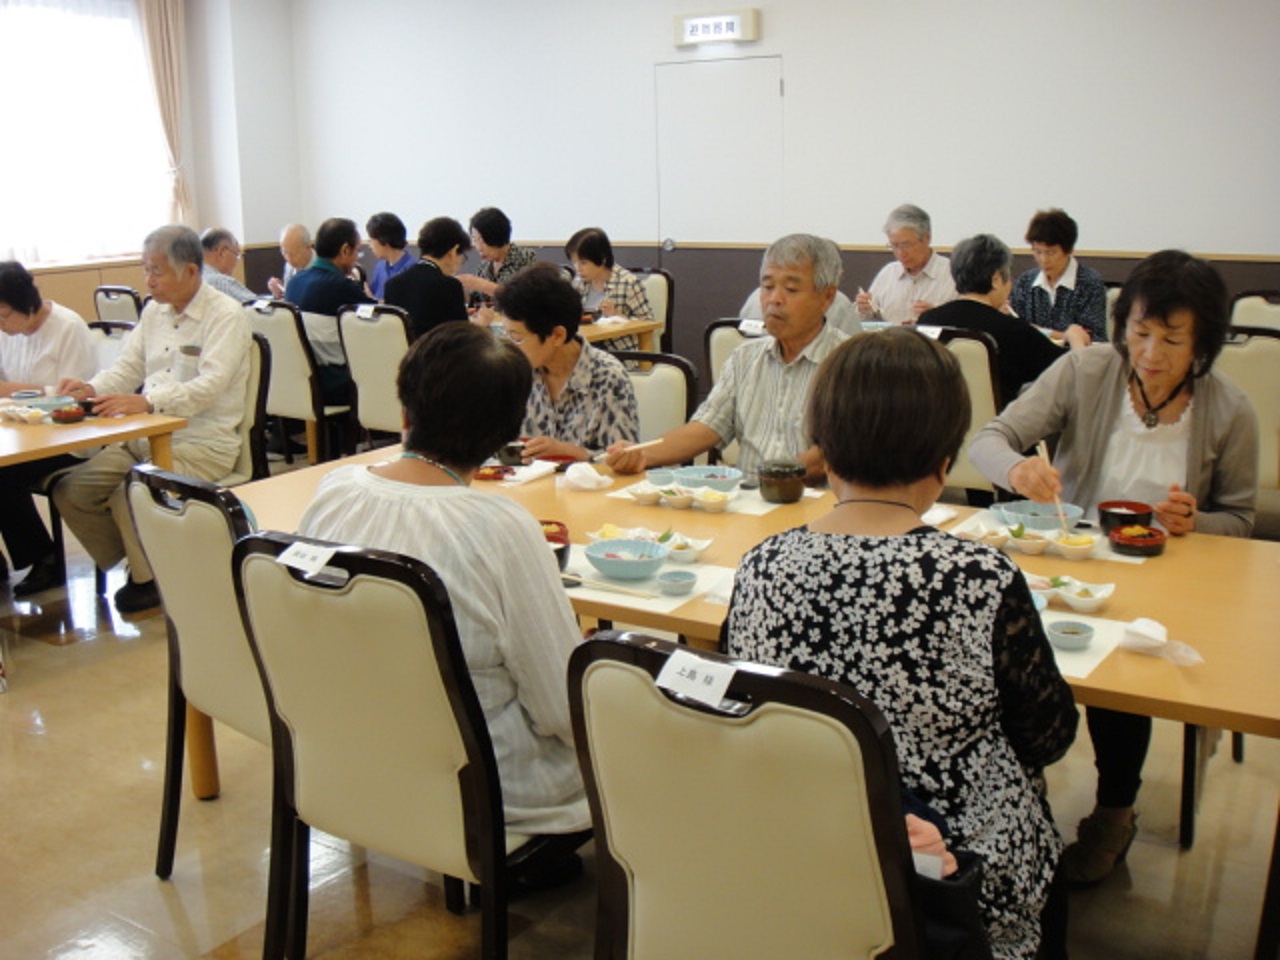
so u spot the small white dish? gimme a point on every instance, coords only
(1031, 543)
(679, 498)
(686, 549)
(1084, 597)
(712, 501)
(1074, 551)
(645, 493)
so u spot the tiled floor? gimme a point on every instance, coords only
(81, 741)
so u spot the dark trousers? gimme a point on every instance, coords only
(1120, 742)
(24, 533)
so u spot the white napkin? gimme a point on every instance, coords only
(611, 321)
(1151, 637)
(583, 476)
(530, 471)
(937, 514)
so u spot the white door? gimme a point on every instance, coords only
(720, 150)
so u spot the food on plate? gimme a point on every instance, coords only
(1138, 532)
(610, 531)
(494, 473)
(1077, 540)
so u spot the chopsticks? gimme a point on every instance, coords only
(635, 446)
(601, 585)
(1042, 448)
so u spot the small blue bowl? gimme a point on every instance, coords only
(724, 479)
(676, 583)
(627, 559)
(1036, 516)
(661, 478)
(1070, 634)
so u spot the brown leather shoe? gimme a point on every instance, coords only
(1102, 841)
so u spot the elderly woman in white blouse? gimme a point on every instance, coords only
(1143, 418)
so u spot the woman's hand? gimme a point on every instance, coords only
(75, 388)
(1035, 480)
(550, 447)
(608, 308)
(1178, 513)
(927, 838)
(1077, 337)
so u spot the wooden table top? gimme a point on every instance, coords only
(593, 332)
(1221, 595)
(21, 442)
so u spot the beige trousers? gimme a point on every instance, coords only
(92, 501)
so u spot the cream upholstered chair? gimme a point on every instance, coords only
(187, 528)
(1251, 360)
(720, 339)
(666, 386)
(251, 464)
(375, 338)
(294, 388)
(378, 735)
(108, 338)
(977, 355)
(769, 827)
(117, 303)
(659, 289)
(1256, 308)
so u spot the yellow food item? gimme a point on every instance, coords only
(610, 532)
(1135, 531)
(1077, 540)
(1084, 593)
(713, 495)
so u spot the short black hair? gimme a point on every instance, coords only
(1053, 228)
(590, 244)
(1167, 282)
(975, 260)
(387, 229)
(334, 234)
(464, 393)
(889, 408)
(493, 226)
(541, 297)
(440, 235)
(18, 288)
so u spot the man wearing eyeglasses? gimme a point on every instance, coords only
(916, 280)
(221, 254)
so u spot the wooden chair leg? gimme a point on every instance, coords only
(1237, 747)
(171, 804)
(315, 453)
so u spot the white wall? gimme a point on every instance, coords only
(1153, 123)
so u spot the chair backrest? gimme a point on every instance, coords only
(720, 338)
(1251, 360)
(117, 303)
(375, 338)
(1256, 308)
(187, 528)
(660, 289)
(376, 726)
(977, 354)
(666, 388)
(293, 389)
(1113, 294)
(322, 335)
(783, 802)
(108, 338)
(251, 463)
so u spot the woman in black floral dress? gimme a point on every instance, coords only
(940, 632)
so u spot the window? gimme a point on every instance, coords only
(84, 169)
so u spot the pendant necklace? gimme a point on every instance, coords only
(889, 503)
(1151, 419)
(410, 455)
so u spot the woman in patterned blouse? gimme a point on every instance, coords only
(606, 288)
(940, 632)
(582, 400)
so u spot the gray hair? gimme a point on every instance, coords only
(299, 228)
(910, 217)
(215, 237)
(975, 260)
(802, 248)
(178, 244)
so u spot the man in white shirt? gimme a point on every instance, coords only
(187, 357)
(221, 253)
(916, 280)
(760, 397)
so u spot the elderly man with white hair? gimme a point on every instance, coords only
(916, 280)
(760, 397)
(296, 248)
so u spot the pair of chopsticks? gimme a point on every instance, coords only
(1043, 449)
(635, 446)
(601, 585)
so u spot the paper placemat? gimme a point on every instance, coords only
(986, 520)
(1078, 664)
(744, 501)
(709, 577)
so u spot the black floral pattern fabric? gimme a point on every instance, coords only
(941, 633)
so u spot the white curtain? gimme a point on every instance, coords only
(84, 170)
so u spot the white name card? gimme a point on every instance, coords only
(307, 557)
(691, 676)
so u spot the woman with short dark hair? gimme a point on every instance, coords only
(1144, 418)
(582, 399)
(388, 240)
(43, 343)
(1062, 291)
(463, 392)
(941, 633)
(500, 259)
(607, 289)
(429, 290)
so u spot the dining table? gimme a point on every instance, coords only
(1217, 595)
(605, 329)
(24, 442)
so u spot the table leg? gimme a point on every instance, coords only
(1269, 926)
(162, 450)
(645, 340)
(202, 755)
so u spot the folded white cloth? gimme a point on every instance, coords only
(1151, 637)
(583, 476)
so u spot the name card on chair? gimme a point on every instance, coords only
(691, 676)
(310, 558)
(365, 311)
